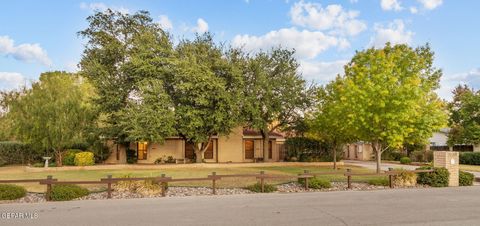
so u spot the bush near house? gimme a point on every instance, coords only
(392, 155)
(84, 159)
(11, 192)
(405, 160)
(69, 157)
(470, 158)
(305, 149)
(267, 188)
(465, 178)
(437, 178)
(65, 192)
(13, 152)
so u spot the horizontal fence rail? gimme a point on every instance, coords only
(214, 177)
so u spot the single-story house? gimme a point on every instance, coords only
(242, 145)
(358, 151)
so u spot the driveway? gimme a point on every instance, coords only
(436, 206)
(373, 165)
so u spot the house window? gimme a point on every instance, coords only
(118, 153)
(142, 150)
(249, 150)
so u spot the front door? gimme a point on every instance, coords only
(142, 150)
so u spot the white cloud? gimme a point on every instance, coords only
(308, 44)
(449, 82)
(413, 10)
(11, 80)
(391, 5)
(430, 4)
(165, 22)
(100, 6)
(322, 72)
(202, 26)
(332, 18)
(394, 33)
(24, 52)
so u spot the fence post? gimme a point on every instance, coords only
(214, 174)
(49, 188)
(109, 187)
(164, 186)
(306, 179)
(390, 178)
(262, 182)
(349, 179)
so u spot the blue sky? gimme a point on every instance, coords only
(38, 36)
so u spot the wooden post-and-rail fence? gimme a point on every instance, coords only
(163, 180)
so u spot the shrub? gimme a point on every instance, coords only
(405, 179)
(470, 158)
(2, 162)
(437, 178)
(268, 188)
(100, 151)
(465, 178)
(305, 149)
(84, 159)
(13, 152)
(38, 164)
(129, 186)
(392, 155)
(429, 156)
(381, 181)
(65, 192)
(11, 192)
(69, 157)
(148, 187)
(418, 156)
(405, 160)
(316, 183)
(131, 156)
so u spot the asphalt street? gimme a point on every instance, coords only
(435, 206)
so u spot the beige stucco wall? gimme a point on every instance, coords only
(359, 151)
(230, 148)
(171, 147)
(112, 159)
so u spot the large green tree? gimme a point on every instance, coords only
(206, 91)
(327, 121)
(276, 95)
(464, 118)
(54, 114)
(122, 50)
(388, 96)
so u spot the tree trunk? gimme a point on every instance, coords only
(58, 158)
(266, 139)
(377, 149)
(199, 149)
(335, 157)
(199, 156)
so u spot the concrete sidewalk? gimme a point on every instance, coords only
(435, 206)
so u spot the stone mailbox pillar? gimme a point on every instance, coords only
(450, 161)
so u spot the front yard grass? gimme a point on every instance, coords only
(18, 172)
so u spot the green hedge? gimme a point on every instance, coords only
(84, 159)
(405, 160)
(465, 178)
(267, 188)
(470, 158)
(12, 152)
(11, 192)
(69, 157)
(305, 149)
(67, 192)
(316, 183)
(437, 178)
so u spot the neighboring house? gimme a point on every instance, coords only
(242, 145)
(358, 151)
(438, 142)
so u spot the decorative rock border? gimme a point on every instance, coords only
(173, 191)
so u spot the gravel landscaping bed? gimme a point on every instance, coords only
(198, 191)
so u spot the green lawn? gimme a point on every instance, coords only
(17, 172)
